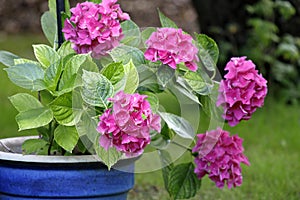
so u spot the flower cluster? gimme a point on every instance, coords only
(95, 27)
(242, 91)
(171, 46)
(127, 125)
(219, 156)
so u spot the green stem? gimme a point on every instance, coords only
(51, 135)
(184, 147)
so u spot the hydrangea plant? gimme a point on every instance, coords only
(106, 89)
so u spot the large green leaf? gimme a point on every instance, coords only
(49, 27)
(96, 89)
(165, 74)
(52, 75)
(165, 21)
(34, 118)
(132, 34)
(167, 166)
(64, 111)
(209, 104)
(125, 53)
(178, 124)
(115, 72)
(35, 146)
(183, 182)
(183, 91)
(7, 58)
(146, 33)
(68, 78)
(87, 128)
(24, 61)
(132, 78)
(197, 83)
(28, 76)
(23, 102)
(109, 157)
(66, 137)
(208, 51)
(65, 49)
(45, 55)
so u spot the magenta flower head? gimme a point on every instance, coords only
(219, 155)
(242, 91)
(128, 124)
(95, 27)
(171, 46)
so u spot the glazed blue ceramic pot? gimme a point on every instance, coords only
(60, 177)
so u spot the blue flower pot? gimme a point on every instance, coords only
(60, 177)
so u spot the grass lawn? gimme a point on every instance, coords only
(271, 141)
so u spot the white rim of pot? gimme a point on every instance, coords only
(10, 156)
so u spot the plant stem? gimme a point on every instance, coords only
(51, 135)
(184, 147)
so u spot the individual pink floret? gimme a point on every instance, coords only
(127, 125)
(219, 155)
(171, 46)
(242, 91)
(95, 27)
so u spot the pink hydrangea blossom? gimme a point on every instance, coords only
(171, 46)
(95, 27)
(219, 155)
(127, 124)
(242, 91)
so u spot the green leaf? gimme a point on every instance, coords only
(52, 7)
(65, 49)
(24, 61)
(209, 104)
(35, 146)
(109, 157)
(68, 79)
(132, 78)
(96, 89)
(7, 58)
(87, 129)
(28, 76)
(147, 33)
(167, 133)
(34, 118)
(45, 55)
(197, 83)
(165, 21)
(125, 53)
(132, 34)
(48, 23)
(152, 99)
(183, 182)
(178, 124)
(165, 74)
(64, 111)
(95, 1)
(183, 91)
(52, 75)
(115, 73)
(23, 102)
(167, 166)
(208, 51)
(66, 137)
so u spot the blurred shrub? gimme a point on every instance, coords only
(275, 52)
